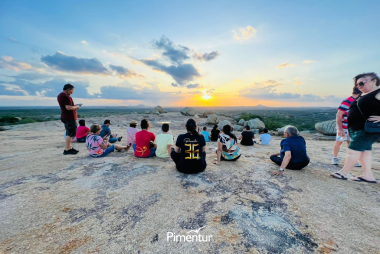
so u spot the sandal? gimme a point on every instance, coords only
(216, 163)
(339, 176)
(361, 179)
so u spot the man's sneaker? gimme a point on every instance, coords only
(70, 152)
(120, 138)
(75, 150)
(358, 165)
(335, 161)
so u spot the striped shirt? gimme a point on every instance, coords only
(344, 107)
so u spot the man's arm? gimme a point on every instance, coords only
(284, 164)
(339, 122)
(69, 107)
(169, 150)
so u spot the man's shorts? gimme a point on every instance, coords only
(71, 127)
(345, 138)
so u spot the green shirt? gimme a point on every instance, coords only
(162, 141)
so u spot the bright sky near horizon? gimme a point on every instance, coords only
(193, 53)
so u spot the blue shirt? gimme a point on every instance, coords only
(297, 146)
(206, 135)
(265, 139)
(105, 130)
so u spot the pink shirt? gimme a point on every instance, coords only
(93, 145)
(82, 131)
(131, 135)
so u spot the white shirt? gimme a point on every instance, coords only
(265, 139)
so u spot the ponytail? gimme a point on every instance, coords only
(190, 125)
(227, 131)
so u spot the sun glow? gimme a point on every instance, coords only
(206, 96)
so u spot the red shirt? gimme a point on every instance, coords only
(82, 131)
(63, 100)
(143, 139)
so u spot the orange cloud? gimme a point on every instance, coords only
(284, 65)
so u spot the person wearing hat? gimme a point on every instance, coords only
(106, 132)
(131, 133)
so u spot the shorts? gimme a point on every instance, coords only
(362, 141)
(71, 127)
(345, 138)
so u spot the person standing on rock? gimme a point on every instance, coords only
(293, 152)
(68, 116)
(342, 125)
(215, 133)
(364, 128)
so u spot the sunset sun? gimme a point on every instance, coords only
(206, 97)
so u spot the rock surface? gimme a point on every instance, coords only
(188, 111)
(212, 119)
(241, 122)
(158, 109)
(207, 113)
(255, 124)
(280, 131)
(326, 127)
(237, 127)
(224, 122)
(50, 203)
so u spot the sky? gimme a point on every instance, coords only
(193, 53)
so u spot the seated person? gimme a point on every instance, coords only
(293, 152)
(265, 138)
(144, 146)
(106, 131)
(82, 131)
(228, 149)
(98, 146)
(131, 133)
(164, 142)
(189, 154)
(247, 137)
(206, 134)
(215, 133)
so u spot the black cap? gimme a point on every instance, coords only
(107, 121)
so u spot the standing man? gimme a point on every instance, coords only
(342, 125)
(68, 116)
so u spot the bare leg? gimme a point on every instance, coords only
(337, 148)
(68, 143)
(352, 158)
(119, 147)
(366, 161)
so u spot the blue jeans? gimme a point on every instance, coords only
(113, 140)
(109, 150)
(152, 151)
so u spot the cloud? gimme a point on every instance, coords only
(12, 39)
(174, 84)
(192, 86)
(7, 62)
(32, 76)
(84, 42)
(244, 33)
(308, 61)
(206, 56)
(266, 85)
(62, 62)
(284, 65)
(124, 73)
(298, 82)
(176, 53)
(5, 90)
(181, 73)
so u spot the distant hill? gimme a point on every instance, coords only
(260, 106)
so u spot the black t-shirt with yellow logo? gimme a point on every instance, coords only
(192, 160)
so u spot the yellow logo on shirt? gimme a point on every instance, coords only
(193, 154)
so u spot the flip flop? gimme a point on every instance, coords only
(341, 177)
(361, 179)
(216, 163)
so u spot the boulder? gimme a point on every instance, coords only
(280, 131)
(147, 112)
(196, 116)
(238, 127)
(207, 113)
(188, 111)
(327, 127)
(156, 112)
(256, 131)
(224, 122)
(158, 109)
(255, 124)
(241, 122)
(212, 119)
(5, 128)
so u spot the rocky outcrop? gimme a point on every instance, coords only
(241, 122)
(326, 127)
(224, 122)
(188, 111)
(238, 127)
(255, 124)
(212, 119)
(158, 109)
(207, 113)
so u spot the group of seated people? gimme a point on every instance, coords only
(189, 151)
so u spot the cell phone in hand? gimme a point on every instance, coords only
(80, 104)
